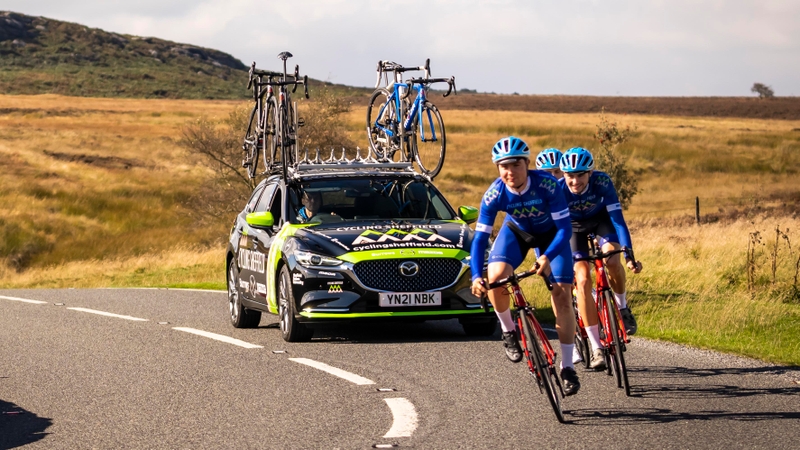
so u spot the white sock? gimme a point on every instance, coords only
(594, 336)
(621, 301)
(566, 349)
(506, 321)
(576, 355)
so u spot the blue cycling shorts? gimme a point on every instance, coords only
(512, 250)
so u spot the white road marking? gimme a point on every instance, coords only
(218, 337)
(25, 300)
(405, 418)
(349, 376)
(108, 314)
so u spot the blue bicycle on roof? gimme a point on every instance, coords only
(402, 130)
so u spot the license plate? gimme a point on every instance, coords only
(395, 299)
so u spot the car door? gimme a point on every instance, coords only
(253, 257)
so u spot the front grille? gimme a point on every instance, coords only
(384, 275)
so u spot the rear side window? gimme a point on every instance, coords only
(251, 204)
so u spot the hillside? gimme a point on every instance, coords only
(40, 55)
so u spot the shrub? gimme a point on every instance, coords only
(762, 90)
(607, 159)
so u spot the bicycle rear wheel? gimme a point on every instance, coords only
(251, 144)
(545, 374)
(429, 140)
(269, 147)
(618, 347)
(382, 125)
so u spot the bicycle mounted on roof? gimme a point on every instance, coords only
(273, 123)
(406, 130)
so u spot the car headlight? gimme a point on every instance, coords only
(312, 259)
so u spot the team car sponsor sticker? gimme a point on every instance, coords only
(244, 285)
(261, 288)
(396, 235)
(250, 260)
(335, 288)
(394, 299)
(297, 278)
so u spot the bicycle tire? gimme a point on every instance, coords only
(543, 374)
(282, 136)
(290, 128)
(380, 142)
(582, 344)
(617, 353)
(250, 145)
(268, 150)
(430, 141)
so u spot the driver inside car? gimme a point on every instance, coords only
(312, 202)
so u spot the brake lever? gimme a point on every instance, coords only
(544, 277)
(305, 85)
(484, 303)
(451, 85)
(250, 81)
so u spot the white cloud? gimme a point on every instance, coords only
(677, 47)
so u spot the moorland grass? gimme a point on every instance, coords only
(70, 218)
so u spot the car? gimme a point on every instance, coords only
(384, 244)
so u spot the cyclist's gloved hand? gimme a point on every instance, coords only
(634, 266)
(478, 287)
(543, 266)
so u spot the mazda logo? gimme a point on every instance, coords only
(409, 269)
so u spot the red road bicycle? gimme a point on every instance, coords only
(536, 348)
(613, 336)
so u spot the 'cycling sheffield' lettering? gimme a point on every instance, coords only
(250, 260)
(395, 235)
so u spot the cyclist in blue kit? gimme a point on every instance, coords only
(594, 208)
(549, 160)
(536, 217)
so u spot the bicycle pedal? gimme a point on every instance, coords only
(301, 122)
(246, 163)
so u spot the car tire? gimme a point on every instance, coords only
(241, 317)
(480, 328)
(291, 329)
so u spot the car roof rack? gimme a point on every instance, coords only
(359, 164)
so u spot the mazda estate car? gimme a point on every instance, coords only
(351, 242)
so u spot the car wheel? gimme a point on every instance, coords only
(480, 328)
(241, 317)
(291, 329)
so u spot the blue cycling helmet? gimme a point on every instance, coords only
(510, 147)
(548, 159)
(577, 159)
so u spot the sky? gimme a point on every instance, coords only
(573, 47)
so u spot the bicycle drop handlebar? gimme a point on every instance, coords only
(603, 255)
(290, 79)
(451, 83)
(513, 279)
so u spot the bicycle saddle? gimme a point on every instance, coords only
(284, 55)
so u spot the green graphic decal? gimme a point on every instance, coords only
(368, 255)
(324, 315)
(274, 256)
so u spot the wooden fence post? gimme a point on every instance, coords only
(697, 209)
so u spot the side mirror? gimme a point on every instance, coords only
(262, 219)
(468, 213)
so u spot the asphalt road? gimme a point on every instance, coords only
(71, 377)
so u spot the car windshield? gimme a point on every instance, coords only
(363, 199)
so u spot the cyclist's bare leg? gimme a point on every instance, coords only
(615, 269)
(583, 288)
(499, 297)
(565, 315)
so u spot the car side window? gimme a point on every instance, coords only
(251, 204)
(264, 202)
(277, 206)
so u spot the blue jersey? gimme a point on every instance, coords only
(599, 195)
(536, 209)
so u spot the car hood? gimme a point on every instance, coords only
(370, 236)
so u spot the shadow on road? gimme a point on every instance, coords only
(19, 427)
(664, 383)
(649, 382)
(397, 332)
(638, 416)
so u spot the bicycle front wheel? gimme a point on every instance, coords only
(382, 125)
(251, 143)
(544, 372)
(430, 140)
(618, 347)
